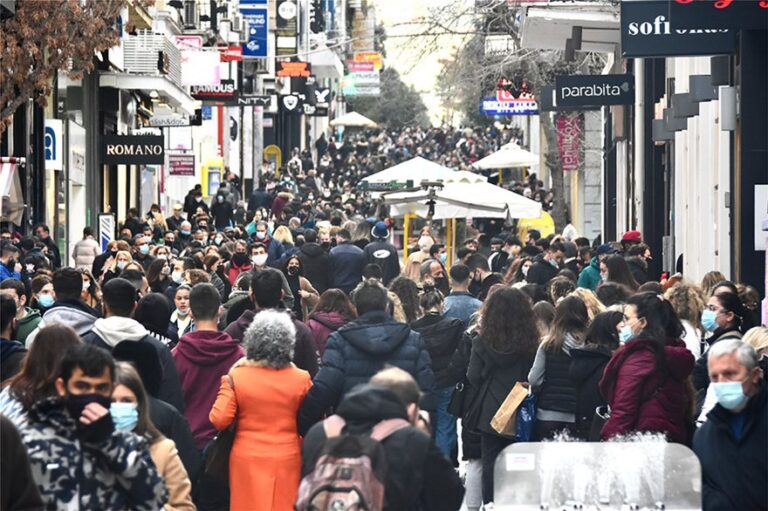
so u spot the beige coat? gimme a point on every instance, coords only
(308, 303)
(169, 466)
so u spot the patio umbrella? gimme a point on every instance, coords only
(409, 174)
(508, 156)
(353, 120)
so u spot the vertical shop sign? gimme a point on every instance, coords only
(570, 131)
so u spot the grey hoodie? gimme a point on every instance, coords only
(116, 329)
(81, 322)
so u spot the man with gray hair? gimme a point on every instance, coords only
(732, 445)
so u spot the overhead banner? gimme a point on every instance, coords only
(492, 106)
(646, 31)
(132, 150)
(256, 16)
(287, 28)
(570, 134)
(224, 93)
(287, 69)
(730, 14)
(594, 90)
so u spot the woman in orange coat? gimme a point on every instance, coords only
(265, 462)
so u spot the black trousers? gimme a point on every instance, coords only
(546, 430)
(490, 447)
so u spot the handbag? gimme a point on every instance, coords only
(472, 405)
(217, 454)
(456, 404)
(602, 414)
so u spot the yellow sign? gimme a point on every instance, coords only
(370, 56)
(274, 154)
(212, 176)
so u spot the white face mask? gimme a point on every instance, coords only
(177, 277)
(86, 286)
(259, 260)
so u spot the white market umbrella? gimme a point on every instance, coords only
(353, 120)
(462, 198)
(508, 156)
(414, 170)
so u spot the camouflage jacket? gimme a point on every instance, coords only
(115, 474)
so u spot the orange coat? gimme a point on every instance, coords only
(265, 462)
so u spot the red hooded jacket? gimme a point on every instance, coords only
(644, 397)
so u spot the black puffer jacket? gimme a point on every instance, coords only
(359, 350)
(639, 268)
(441, 336)
(418, 475)
(317, 266)
(502, 371)
(587, 366)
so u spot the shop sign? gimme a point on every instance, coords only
(181, 164)
(132, 150)
(522, 106)
(106, 229)
(730, 14)
(291, 104)
(594, 90)
(373, 57)
(646, 31)
(231, 54)
(287, 69)
(316, 16)
(53, 143)
(224, 93)
(570, 132)
(360, 67)
(262, 101)
(322, 96)
(256, 16)
(287, 28)
(170, 120)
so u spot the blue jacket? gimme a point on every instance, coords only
(734, 468)
(347, 262)
(461, 306)
(8, 273)
(359, 350)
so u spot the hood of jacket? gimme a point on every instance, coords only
(76, 318)
(116, 329)
(331, 320)
(312, 250)
(32, 314)
(586, 360)
(375, 332)
(495, 358)
(52, 410)
(207, 348)
(366, 404)
(8, 348)
(638, 261)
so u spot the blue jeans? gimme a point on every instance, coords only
(445, 423)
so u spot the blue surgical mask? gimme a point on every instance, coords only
(443, 257)
(709, 320)
(144, 249)
(185, 232)
(625, 334)
(121, 265)
(124, 415)
(730, 395)
(553, 262)
(45, 301)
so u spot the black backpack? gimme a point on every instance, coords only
(350, 471)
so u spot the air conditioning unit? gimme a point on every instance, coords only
(191, 19)
(238, 25)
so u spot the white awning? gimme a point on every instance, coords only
(549, 26)
(325, 63)
(167, 90)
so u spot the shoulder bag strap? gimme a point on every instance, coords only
(387, 427)
(333, 426)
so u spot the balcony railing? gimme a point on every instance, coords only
(152, 54)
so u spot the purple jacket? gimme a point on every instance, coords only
(202, 358)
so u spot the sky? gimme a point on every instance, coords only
(423, 74)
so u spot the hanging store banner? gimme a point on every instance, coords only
(287, 69)
(316, 16)
(287, 28)
(53, 142)
(570, 133)
(360, 67)
(291, 104)
(181, 164)
(647, 32)
(256, 17)
(594, 90)
(492, 106)
(224, 93)
(719, 14)
(373, 57)
(132, 150)
(200, 68)
(262, 101)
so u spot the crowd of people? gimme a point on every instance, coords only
(287, 323)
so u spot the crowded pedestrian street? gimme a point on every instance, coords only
(383, 255)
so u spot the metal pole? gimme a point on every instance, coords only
(639, 144)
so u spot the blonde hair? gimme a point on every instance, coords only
(757, 337)
(124, 253)
(710, 281)
(688, 301)
(283, 235)
(593, 303)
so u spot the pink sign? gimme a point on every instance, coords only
(181, 164)
(360, 67)
(570, 130)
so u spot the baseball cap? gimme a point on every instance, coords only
(632, 236)
(605, 248)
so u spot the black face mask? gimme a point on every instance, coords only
(239, 258)
(293, 271)
(96, 431)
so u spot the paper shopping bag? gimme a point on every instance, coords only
(504, 422)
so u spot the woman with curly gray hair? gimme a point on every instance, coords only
(263, 393)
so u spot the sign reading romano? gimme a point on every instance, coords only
(132, 150)
(646, 31)
(594, 90)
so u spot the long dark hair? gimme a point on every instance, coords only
(335, 300)
(730, 302)
(618, 271)
(602, 332)
(37, 378)
(571, 317)
(506, 323)
(408, 292)
(155, 270)
(661, 323)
